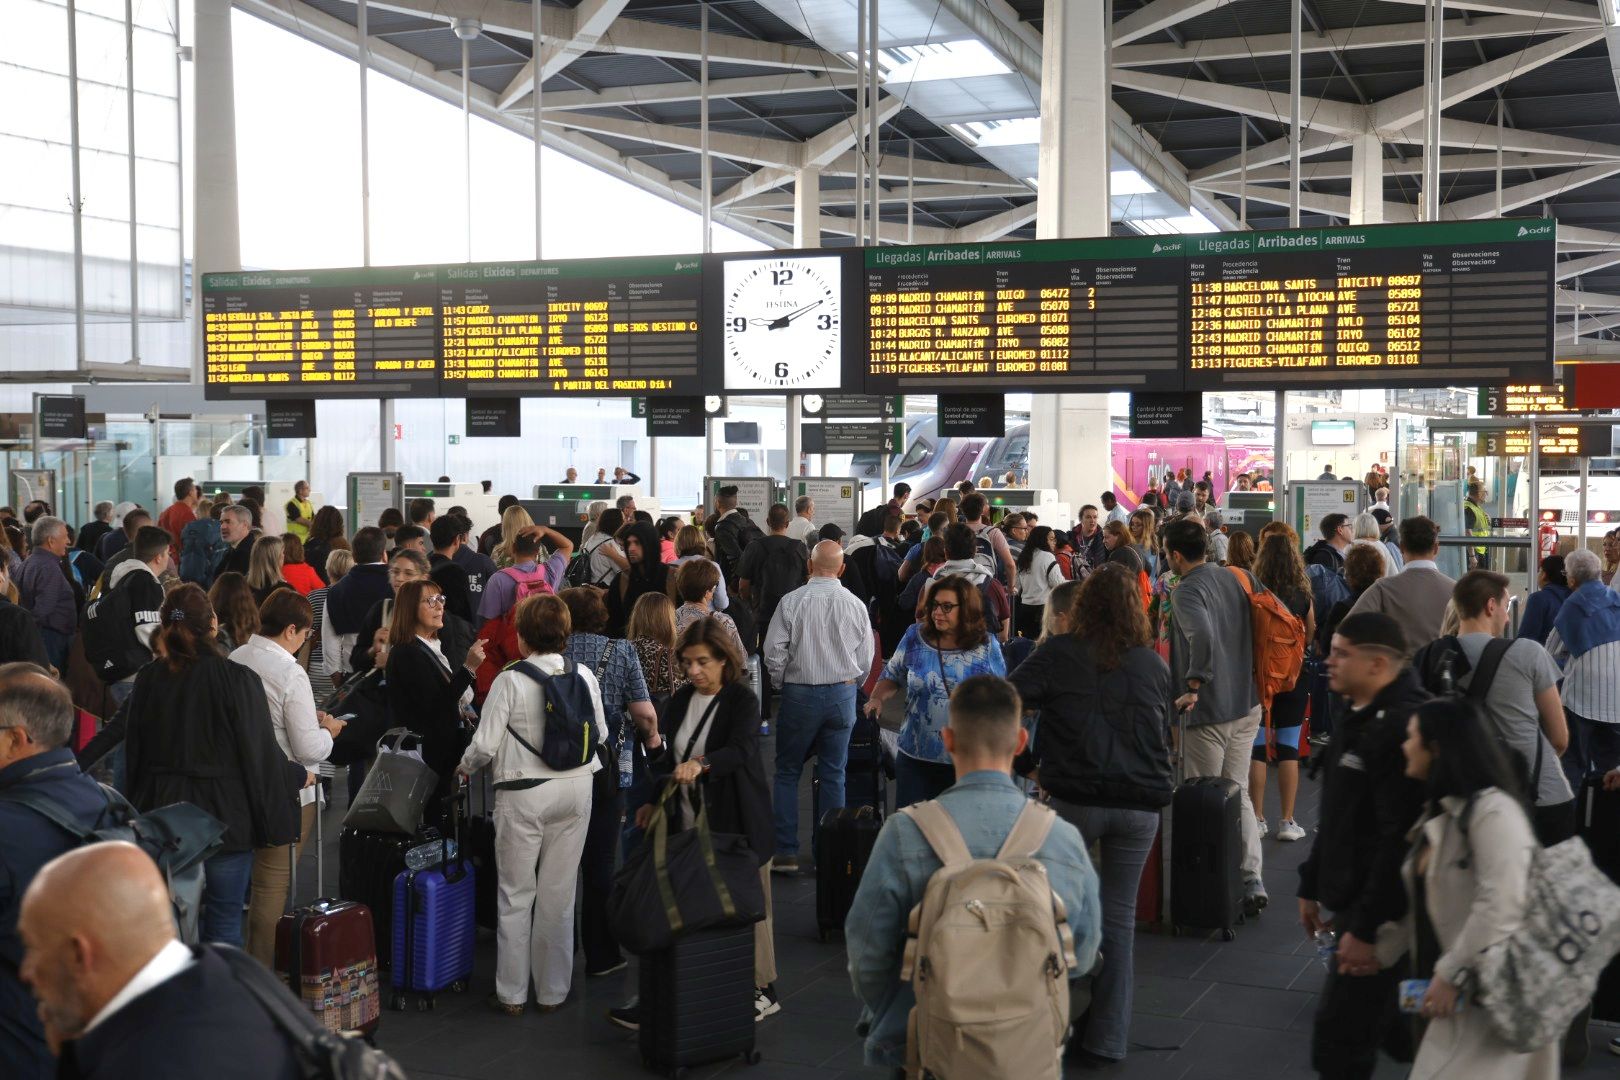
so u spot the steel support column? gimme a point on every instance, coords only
(806, 234)
(1069, 433)
(217, 243)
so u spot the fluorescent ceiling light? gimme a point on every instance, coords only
(1193, 222)
(1022, 131)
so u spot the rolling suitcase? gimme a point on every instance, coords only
(1206, 852)
(1600, 828)
(368, 863)
(844, 840)
(480, 850)
(1150, 889)
(697, 1001)
(434, 930)
(326, 953)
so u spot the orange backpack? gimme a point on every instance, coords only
(1279, 641)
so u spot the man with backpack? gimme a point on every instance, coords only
(36, 723)
(1087, 538)
(990, 544)
(771, 567)
(1328, 552)
(1514, 683)
(733, 532)
(871, 522)
(1213, 675)
(1354, 868)
(974, 847)
(120, 624)
(445, 536)
(510, 586)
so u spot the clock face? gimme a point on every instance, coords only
(782, 323)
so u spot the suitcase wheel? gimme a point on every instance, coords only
(397, 1002)
(423, 1004)
(751, 1058)
(1228, 934)
(459, 986)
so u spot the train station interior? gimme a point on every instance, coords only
(1343, 261)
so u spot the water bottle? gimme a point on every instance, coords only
(427, 856)
(1327, 948)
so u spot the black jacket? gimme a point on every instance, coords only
(19, 636)
(734, 789)
(348, 602)
(1368, 805)
(1101, 737)
(202, 1022)
(452, 580)
(91, 535)
(424, 697)
(648, 576)
(203, 736)
(456, 637)
(28, 842)
(240, 556)
(1325, 554)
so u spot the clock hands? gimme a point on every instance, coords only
(782, 322)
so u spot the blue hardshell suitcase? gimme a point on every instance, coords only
(434, 928)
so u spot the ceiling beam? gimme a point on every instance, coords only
(1407, 108)
(591, 20)
(1568, 11)
(1312, 201)
(1574, 268)
(820, 150)
(781, 200)
(315, 25)
(1573, 300)
(1258, 157)
(1548, 187)
(670, 93)
(1469, 135)
(1578, 238)
(1389, 35)
(893, 232)
(1481, 161)
(1321, 114)
(1157, 15)
(754, 149)
(997, 225)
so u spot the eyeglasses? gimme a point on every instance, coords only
(944, 607)
(436, 600)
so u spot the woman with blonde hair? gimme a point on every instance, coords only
(1144, 531)
(265, 574)
(690, 544)
(514, 519)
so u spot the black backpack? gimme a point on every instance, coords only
(579, 569)
(110, 644)
(732, 537)
(781, 570)
(568, 737)
(1439, 666)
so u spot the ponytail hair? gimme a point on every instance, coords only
(186, 630)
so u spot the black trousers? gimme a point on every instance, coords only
(1556, 823)
(1354, 1017)
(596, 866)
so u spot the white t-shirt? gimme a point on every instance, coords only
(602, 567)
(1037, 583)
(803, 529)
(683, 734)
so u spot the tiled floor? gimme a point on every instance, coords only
(1203, 1010)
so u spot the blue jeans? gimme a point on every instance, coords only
(1126, 839)
(57, 647)
(225, 888)
(1594, 749)
(810, 717)
(916, 780)
(119, 692)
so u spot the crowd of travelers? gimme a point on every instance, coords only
(1038, 692)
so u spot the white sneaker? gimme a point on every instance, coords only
(1260, 823)
(765, 1003)
(1289, 830)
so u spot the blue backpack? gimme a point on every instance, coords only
(568, 729)
(886, 562)
(1328, 587)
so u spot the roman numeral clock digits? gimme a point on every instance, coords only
(782, 323)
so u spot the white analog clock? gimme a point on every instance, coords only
(782, 325)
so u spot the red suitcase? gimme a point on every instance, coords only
(327, 954)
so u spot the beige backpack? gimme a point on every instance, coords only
(988, 954)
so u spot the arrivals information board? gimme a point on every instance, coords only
(1103, 314)
(1458, 303)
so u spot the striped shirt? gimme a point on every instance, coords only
(1591, 686)
(820, 635)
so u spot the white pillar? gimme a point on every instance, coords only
(1366, 180)
(806, 234)
(217, 239)
(1069, 433)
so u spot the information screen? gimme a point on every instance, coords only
(591, 327)
(321, 333)
(1053, 315)
(1463, 303)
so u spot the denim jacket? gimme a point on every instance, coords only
(984, 806)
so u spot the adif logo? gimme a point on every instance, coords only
(1539, 230)
(1157, 248)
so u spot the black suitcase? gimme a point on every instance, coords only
(1600, 828)
(866, 773)
(844, 840)
(478, 847)
(697, 1001)
(368, 863)
(1206, 853)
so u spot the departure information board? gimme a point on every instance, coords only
(1459, 303)
(322, 333)
(1103, 314)
(588, 327)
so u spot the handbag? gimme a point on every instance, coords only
(1533, 982)
(678, 885)
(363, 698)
(397, 788)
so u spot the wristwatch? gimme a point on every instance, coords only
(703, 763)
